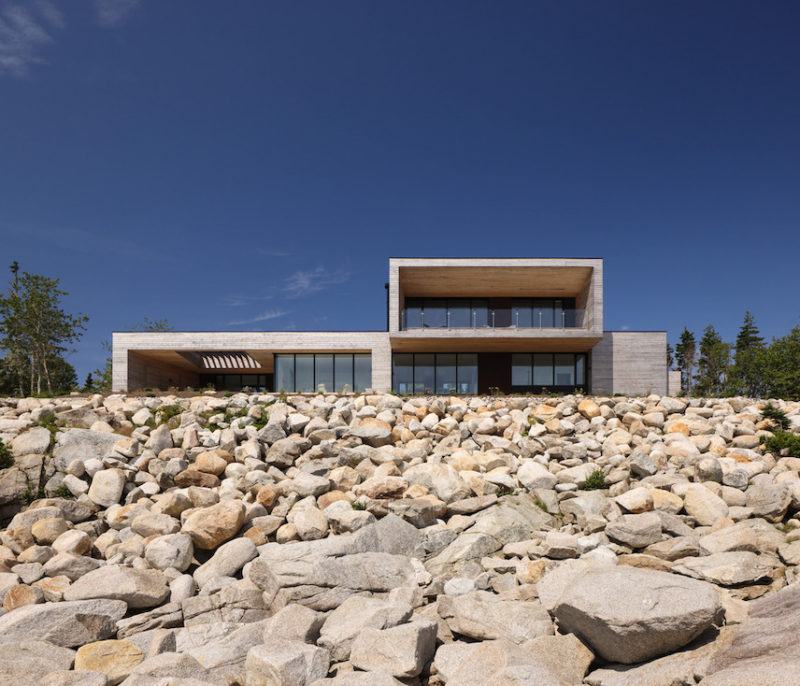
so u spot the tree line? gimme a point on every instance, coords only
(750, 366)
(36, 333)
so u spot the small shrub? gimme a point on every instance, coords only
(540, 505)
(282, 395)
(783, 440)
(6, 459)
(358, 505)
(595, 481)
(776, 415)
(504, 490)
(63, 492)
(167, 412)
(228, 394)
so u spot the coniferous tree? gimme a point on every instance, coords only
(713, 364)
(783, 367)
(685, 353)
(749, 361)
(670, 359)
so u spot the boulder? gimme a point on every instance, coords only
(211, 526)
(65, 624)
(725, 569)
(138, 588)
(107, 486)
(635, 530)
(226, 561)
(355, 614)
(286, 662)
(485, 616)
(703, 505)
(173, 550)
(26, 662)
(628, 615)
(403, 650)
(115, 659)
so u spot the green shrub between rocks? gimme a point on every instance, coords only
(776, 415)
(595, 481)
(782, 440)
(6, 458)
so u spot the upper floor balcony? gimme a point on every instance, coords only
(491, 313)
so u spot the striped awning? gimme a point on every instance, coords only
(221, 359)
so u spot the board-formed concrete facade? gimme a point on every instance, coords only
(453, 326)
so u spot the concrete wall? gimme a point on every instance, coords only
(630, 362)
(674, 386)
(130, 373)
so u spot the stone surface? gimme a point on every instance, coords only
(66, 624)
(289, 663)
(107, 486)
(484, 616)
(136, 587)
(211, 526)
(115, 659)
(629, 615)
(402, 650)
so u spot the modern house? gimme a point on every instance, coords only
(453, 326)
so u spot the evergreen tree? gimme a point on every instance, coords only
(670, 359)
(685, 352)
(88, 385)
(783, 367)
(749, 361)
(713, 364)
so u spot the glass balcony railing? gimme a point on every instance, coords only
(500, 318)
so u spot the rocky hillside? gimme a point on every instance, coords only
(377, 540)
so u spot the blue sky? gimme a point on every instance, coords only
(253, 165)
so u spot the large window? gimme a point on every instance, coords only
(435, 373)
(499, 313)
(235, 382)
(340, 372)
(532, 372)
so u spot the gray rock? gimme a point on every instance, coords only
(355, 614)
(164, 617)
(33, 441)
(137, 587)
(78, 677)
(82, 445)
(485, 616)
(66, 624)
(629, 615)
(225, 656)
(322, 582)
(172, 550)
(703, 505)
(402, 650)
(289, 663)
(513, 518)
(107, 486)
(234, 603)
(71, 566)
(296, 623)
(26, 662)
(360, 679)
(635, 530)
(725, 569)
(493, 663)
(769, 501)
(764, 649)
(172, 667)
(226, 561)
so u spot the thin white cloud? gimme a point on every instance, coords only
(266, 316)
(272, 253)
(305, 282)
(111, 13)
(25, 29)
(240, 300)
